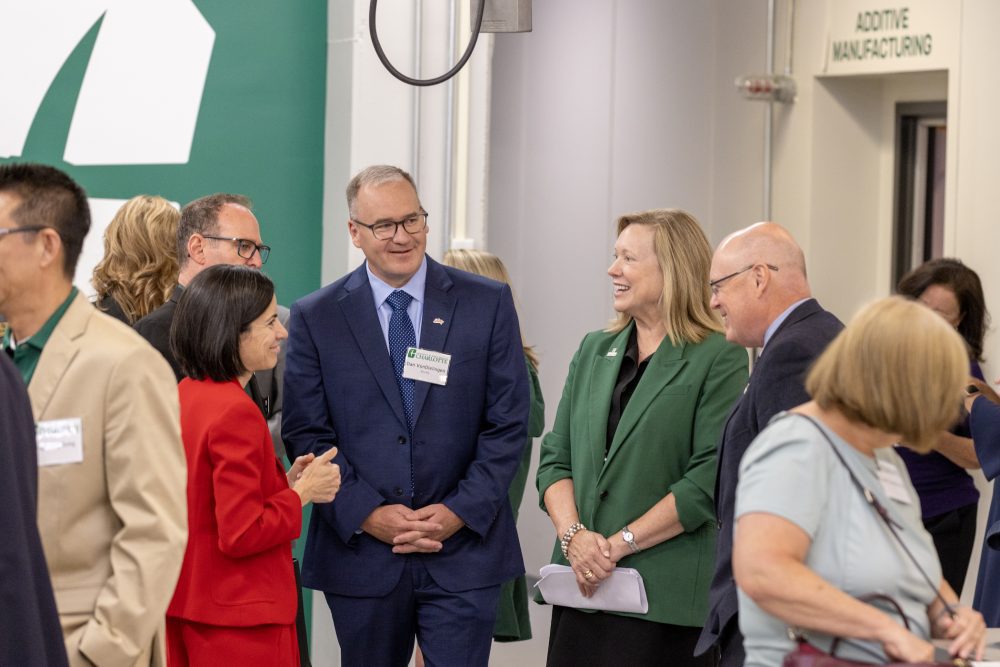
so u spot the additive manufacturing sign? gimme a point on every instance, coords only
(866, 37)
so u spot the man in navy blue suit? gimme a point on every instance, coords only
(416, 372)
(759, 286)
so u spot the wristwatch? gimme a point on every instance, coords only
(629, 539)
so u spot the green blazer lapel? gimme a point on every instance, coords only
(663, 367)
(58, 354)
(607, 364)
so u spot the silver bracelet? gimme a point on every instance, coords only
(567, 537)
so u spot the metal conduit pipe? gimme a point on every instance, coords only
(449, 143)
(768, 112)
(415, 118)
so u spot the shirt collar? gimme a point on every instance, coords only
(780, 319)
(414, 286)
(40, 337)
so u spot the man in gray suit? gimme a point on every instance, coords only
(220, 229)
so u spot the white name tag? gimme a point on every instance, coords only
(60, 441)
(426, 366)
(892, 482)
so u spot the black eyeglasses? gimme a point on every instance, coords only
(4, 231)
(384, 230)
(716, 284)
(245, 248)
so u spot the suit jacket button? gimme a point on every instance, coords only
(402, 440)
(604, 494)
(398, 491)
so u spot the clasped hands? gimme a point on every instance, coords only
(409, 531)
(593, 558)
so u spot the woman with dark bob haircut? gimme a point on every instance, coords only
(236, 599)
(948, 496)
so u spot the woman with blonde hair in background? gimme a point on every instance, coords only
(139, 269)
(513, 623)
(828, 525)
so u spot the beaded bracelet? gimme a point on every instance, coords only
(568, 537)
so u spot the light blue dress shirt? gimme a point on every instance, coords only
(414, 287)
(778, 320)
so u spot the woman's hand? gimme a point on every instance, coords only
(319, 480)
(298, 465)
(901, 644)
(966, 629)
(590, 557)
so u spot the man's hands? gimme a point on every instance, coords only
(422, 530)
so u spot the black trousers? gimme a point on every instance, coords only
(954, 533)
(598, 640)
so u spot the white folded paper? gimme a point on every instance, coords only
(622, 591)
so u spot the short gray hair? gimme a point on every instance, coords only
(375, 175)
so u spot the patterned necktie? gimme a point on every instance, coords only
(401, 337)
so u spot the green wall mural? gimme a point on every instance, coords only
(259, 128)
(258, 131)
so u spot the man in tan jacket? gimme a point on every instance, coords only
(112, 480)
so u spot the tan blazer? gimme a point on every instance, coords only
(113, 526)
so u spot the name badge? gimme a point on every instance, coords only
(892, 482)
(60, 441)
(426, 366)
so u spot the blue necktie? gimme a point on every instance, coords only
(401, 337)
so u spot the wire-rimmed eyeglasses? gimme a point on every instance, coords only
(716, 285)
(4, 231)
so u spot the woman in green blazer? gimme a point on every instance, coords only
(628, 471)
(513, 622)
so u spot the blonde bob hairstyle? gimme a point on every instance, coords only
(684, 257)
(897, 367)
(139, 269)
(487, 264)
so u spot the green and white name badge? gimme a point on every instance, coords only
(426, 366)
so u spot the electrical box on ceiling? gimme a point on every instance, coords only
(504, 15)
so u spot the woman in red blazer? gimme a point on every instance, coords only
(235, 601)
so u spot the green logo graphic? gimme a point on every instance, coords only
(259, 129)
(411, 352)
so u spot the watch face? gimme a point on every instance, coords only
(627, 535)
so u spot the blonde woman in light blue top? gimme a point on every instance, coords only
(807, 545)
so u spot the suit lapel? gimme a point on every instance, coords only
(603, 375)
(58, 354)
(663, 367)
(358, 307)
(439, 308)
(719, 448)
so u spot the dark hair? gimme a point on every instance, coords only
(964, 282)
(216, 307)
(51, 198)
(202, 217)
